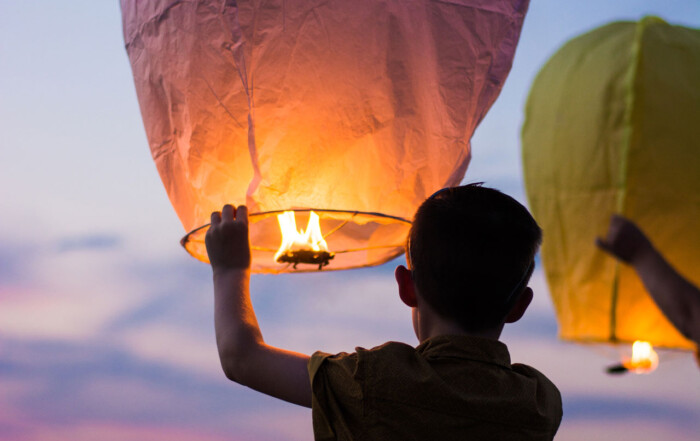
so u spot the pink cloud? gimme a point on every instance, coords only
(27, 430)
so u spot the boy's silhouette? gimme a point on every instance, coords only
(470, 255)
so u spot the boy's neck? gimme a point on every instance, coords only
(428, 324)
(493, 334)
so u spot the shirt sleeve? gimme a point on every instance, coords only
(337, 393)
(547, 397)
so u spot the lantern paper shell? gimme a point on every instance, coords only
(613, 126)
(357, 109)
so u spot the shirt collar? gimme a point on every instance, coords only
(466, 347)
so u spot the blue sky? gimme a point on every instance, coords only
(106, 328)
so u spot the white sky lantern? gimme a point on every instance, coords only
(355, 110)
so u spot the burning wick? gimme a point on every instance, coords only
(644, 360)
(302, 246)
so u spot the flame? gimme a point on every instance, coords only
(293, 240)
(644, 358)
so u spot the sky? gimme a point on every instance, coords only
(106, 324)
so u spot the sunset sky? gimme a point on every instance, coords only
(106, 324)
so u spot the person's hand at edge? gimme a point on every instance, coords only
(227, 239)
(625, 240)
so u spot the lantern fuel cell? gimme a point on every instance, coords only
(357, 110)
(302, 246)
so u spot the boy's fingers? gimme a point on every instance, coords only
(227, 213)
(242, 214)
(215, 217)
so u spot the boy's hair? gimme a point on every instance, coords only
(471, 250)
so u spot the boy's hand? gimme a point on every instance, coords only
(227, 239)
(625, 240)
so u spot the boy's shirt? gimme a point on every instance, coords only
(448, 388)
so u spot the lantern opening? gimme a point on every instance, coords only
(351, 239)
(302, 246)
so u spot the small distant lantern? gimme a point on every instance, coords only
(612, 125)
(347, 114)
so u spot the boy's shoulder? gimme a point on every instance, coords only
(450, 352)
(451, 365)
(441, 382)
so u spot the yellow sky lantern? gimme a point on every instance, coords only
(612, 125)
(353, 110)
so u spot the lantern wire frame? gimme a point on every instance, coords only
(356, 239)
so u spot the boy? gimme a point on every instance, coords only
(470, 255)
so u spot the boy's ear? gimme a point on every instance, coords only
(518, 309)
(407, 290)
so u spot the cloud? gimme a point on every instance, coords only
(109, 431)
(48, 384)
(73, 295)
(601, 408)
(22, 260)
(89, 242)
(170, 344)
(624, 430)
(15, 261)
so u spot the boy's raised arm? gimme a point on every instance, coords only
(245, 358)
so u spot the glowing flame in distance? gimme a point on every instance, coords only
(644, 358)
